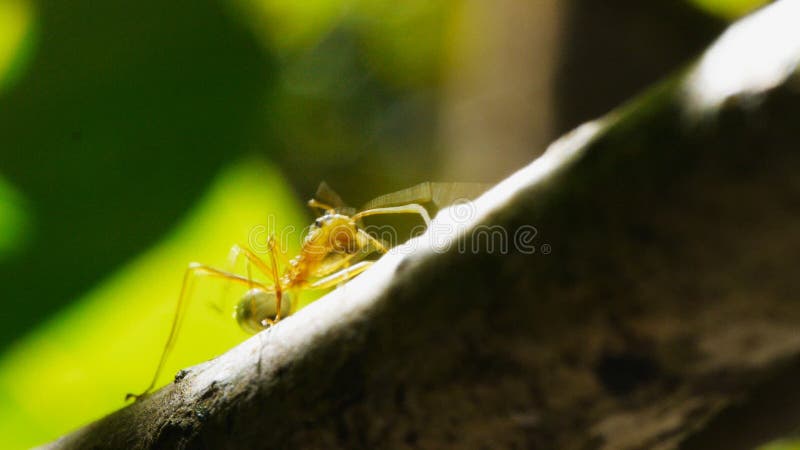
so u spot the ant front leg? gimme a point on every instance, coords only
(376, 244)
(411, 208)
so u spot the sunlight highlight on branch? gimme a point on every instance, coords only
(752, 56)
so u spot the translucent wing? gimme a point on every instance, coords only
(438, 193)
(327, 195)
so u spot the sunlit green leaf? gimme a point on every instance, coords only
(293, 25)
(16, 35)
(14, 220)
(729, 9)
(783, 444)
(402, 41)
(79, 365)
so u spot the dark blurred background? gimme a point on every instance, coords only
(116, 117)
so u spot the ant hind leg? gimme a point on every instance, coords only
(191, 273)
(341, 276)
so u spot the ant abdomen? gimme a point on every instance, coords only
(257, 309)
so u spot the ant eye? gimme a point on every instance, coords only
(318, 223)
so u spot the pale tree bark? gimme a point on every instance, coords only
(656, 306)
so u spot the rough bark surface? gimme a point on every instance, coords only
(659, 307)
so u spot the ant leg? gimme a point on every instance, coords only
(276, 277)
(233, 258)
(193, 271)
(275, 246)
(263, 267)
(376, 244)
(235, 253)
(411, 208)
(328, 268)
(238, 251)
(341, 276)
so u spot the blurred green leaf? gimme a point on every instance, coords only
(79, 365)
(293, 26)
(783, 444)
(729, 9)
(14, 220)
(17, 32)
(401, 41)
(399, 55)
(357, 89)
(123, 117)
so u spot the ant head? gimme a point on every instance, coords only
(257, 309)
(328, 221)
(334, 233)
